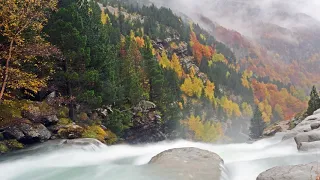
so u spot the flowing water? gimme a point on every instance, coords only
(53, 161)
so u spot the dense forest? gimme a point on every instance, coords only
(138, 64)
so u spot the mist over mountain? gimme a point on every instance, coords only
(275, 34)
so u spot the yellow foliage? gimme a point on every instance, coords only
(230, 108)
(209, 90)
(192, 86)
(204, 131)
(95, 132)
(246, 109)
(176, 66)
(266, 110)
(164, 61)
(219, 58)
(104, 18)
(245, 78)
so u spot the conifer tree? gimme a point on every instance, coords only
(257, 124)
(314, 102)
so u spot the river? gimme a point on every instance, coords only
(53, 161)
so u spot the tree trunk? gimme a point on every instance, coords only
(6, 72)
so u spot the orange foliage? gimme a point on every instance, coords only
(140, 41)
(280, 101)
(199, 50)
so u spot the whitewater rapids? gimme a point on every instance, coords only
(53, 161)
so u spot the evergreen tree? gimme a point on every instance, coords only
(314, 102)
(257, 124)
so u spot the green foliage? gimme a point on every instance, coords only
(3, 148)
(13, 144)
(64, 121)
(118, 121)
(257, 124)
(314, 102)
(97, 132)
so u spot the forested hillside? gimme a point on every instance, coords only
(120, 69)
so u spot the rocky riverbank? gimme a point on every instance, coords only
(29, 122)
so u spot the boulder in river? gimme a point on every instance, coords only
(297, 172)
(27, 132)
(190, 163)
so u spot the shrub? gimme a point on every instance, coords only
(64, 121)
(13, 144)
(95, 132)
(3, 148)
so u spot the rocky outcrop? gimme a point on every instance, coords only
(272, 130)
(189, 163)
(307, 133)
(298, 172)
(27, 132)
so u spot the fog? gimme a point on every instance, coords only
(245, 16)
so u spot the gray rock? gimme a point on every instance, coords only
(50, 99)
(298, 172)
(316, 112)
(310, 146)
(189, 163)
(315, 125)
(307, 137)
(50, 120)
(26, 132)
(82, 142)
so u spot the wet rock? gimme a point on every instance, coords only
(82, 142)
(307, 137)
(315, 125)
(298, 172)
(27, 132)
(189, 163)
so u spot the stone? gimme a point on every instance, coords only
(271, 131)
(316, 112)
(27, 132)
(310, 146)
(315, 125)
(307, 137)
(188, 163)
(50, 120)
(50, 99)
(70, 131)
(297, 172)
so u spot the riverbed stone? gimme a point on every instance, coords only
(297, 172)
(189, 163)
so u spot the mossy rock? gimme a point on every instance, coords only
(70, 132)
(3, 148)
(64, 121)
(14, 144)
(97, 132)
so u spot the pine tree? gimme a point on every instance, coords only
(257, 124)
(314, 102)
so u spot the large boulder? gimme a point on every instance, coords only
(298, 172)
(307, 137)
(40, 112)
(27, 132)
(189, 163)
(71, 131)
(308, 124)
